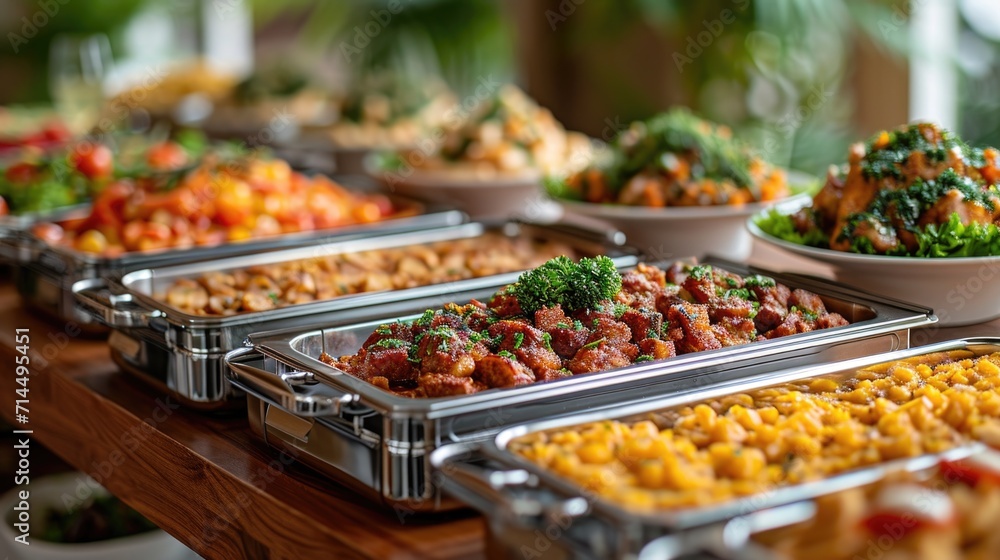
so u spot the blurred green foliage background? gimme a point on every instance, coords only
(776, 73)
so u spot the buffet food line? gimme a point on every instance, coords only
(364, 358)
(208, 480)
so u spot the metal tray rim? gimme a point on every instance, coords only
(384, 240)
(435, 214)
(279, 345)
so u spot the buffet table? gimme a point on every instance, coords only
(205, 479)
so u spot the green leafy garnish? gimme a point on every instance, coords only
(776, 224)
(574, 286)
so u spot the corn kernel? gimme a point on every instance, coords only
(899, 394)
(903, 374)
(706, 416)
(595, 453)
(768, 414)
(987, 368)
(650, 474)
(823, 386)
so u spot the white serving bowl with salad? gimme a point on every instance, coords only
(490, 163)
(677, 185)
(913, 215)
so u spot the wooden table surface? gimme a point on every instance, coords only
(204, 479)
(207, 480)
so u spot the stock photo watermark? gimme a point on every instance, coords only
(565, 9)
(363, 35)
(697, 43)
(32, 24)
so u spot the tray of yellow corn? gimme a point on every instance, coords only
(712, 463)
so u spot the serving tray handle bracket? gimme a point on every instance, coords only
(98, 298)
(730, 540)
(280, 389)
(16, 246)
(487, 488)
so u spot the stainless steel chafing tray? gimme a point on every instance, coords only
(380, 442)
(523, 500)
(23, 221)
(182, 353)
(46, 273)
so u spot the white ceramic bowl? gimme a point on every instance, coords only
(47, 493)
(961, 291)
(483, 196)
(673, 232)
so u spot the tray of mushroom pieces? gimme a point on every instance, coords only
(367, 402)
(886, 456)
(173, 324)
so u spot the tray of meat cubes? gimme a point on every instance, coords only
(368, 402)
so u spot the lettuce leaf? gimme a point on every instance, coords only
(949, 240)
(954, 239)
(781, 226)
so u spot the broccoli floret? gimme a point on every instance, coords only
(595, 280)
(544, 286)
(560, 281)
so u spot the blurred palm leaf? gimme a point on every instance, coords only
(459, 40)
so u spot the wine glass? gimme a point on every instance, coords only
(78, 66)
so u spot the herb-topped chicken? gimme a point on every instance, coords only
(916, 191)
(565, 318)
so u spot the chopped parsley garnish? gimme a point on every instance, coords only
(506, 354)
(887, 152)
(593, 344)
(699, 272)
(425, 319)
(620, 309)
(476, 336)
(808, 315)
(644, 358)
(392, 343)
(741, 293)
(518, 340)
(547, 340)
(758, 281)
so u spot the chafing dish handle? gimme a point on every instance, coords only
(730, 540)
(98, 297)
(275, 389)
(486, 489)
(609, 237)
(17, 246)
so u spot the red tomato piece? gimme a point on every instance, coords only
(21, 173)
(166, 156)
(93, 160)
